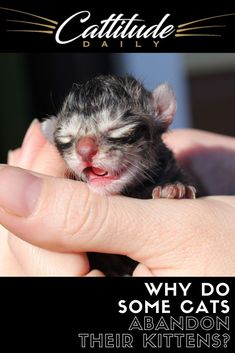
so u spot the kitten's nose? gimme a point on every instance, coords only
(87, 148)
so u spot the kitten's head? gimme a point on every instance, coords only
(108, 129)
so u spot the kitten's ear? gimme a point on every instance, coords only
(164, 104)
(48, 128)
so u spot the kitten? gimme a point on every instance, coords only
(109, 132)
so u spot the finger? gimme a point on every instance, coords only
(9, 266)
(142, 271)
(38, 155)
(35, 261)
(33, 142)
(49, 162)
(63, 215)
(13, 157)
(181, 141)
(95, 273)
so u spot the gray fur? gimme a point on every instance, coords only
(126, 121)
(111, 108)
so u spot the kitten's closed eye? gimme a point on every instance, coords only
(119, 140)
(131, 136)
(65, 139)
(64, 142)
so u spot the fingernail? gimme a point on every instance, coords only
(29, 131)
(19, 190)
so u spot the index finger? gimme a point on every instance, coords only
(37, 154)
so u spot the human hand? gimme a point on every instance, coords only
(20, 258)
(208, 157)
(166, 237)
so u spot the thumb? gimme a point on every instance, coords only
(64, 215)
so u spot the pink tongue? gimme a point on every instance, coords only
(98, 171)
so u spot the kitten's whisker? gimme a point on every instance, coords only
(142, 170)
(137, 167)
(132, 173)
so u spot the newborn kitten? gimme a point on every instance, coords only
(109, 132)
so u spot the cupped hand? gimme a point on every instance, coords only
(166, 237)
(20, 258)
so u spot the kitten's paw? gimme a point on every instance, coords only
(174, 191)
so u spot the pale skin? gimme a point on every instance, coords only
(55, 221)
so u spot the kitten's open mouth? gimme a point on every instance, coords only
(98, 171)
(98, 175)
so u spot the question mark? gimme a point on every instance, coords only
(226, 339)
